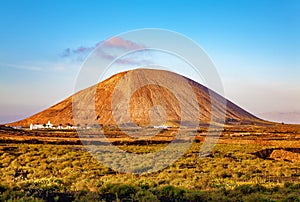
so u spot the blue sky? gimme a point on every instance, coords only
(255, 46)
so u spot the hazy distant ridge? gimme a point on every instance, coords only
(286, 117)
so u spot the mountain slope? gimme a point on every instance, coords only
(150, 96)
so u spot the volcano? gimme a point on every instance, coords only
(144, 97)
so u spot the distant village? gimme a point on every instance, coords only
(49, 125)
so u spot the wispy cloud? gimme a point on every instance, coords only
(24, 67)
(108, 51)
(57, 66)
(68, 52)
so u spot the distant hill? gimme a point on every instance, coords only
(143, 100)
(286, 117)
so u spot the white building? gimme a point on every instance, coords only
(49, 125)
(161, 127)
(41, 126)
(36, 126)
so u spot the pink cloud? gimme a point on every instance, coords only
(107, 50)
(118, 42)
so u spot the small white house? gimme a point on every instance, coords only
(36, 126)
(161, 127)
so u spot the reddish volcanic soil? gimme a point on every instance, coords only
(155, 90)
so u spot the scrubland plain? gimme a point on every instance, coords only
(249, 163)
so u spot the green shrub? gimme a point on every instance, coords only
(247, 189)
(120, 190)
(288, 185)
(291, 198)
(145, 196)
(84, 196)
(3, 188)
(172, 192)
(195, 196)
(17, 196)
(46, 184)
